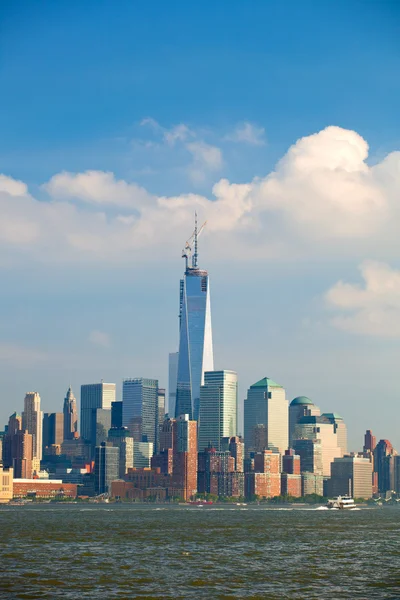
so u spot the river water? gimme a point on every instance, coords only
(128, 551)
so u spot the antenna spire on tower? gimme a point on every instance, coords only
(194, 261)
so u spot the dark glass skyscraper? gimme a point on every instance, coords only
(195, 341)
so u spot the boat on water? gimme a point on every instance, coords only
(342, 502)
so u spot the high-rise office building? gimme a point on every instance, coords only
(195, 335)
(301, 406)
(310, 452)
(142, 453)
(218, 408)
(120, 438)
(116, 414)
(369, 441)
(340, 430)
(351, 475)
(70, 415)
(383, 465)
(140, 408)
(53, 429)
(161, 414)
(94, 395)
(185, 455)
(106, 467)
(172, 381)
(101, 423)
(320, 428)
(14, 425)
(266, 405)
(32, 421)
(22, 453)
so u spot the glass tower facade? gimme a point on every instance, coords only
(195, 343)
(140, 398)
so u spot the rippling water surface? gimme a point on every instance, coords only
(124, 551)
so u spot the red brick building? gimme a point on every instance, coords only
(291, 485)
(44, 488)
(291, 462)
(264, 485)
(267, 462)
(185, 456)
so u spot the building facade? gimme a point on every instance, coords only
(120, 438)
(53, 429)
(173, 359)
(6, 484)
(351, 475)
(140, 408)
(218, 408)
(266, 406)
(301, 406)
(195, 336)
(185, 456)
(70, 416)
(32, 421)
(94, 395)
(320, 428)
(106, 467)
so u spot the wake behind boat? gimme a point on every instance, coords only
(342, 502)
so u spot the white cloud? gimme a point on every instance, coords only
(247, 133)
(179, 133)
(374, 307)
(99, 338)
(321, 198)
(206, 159)
(97, 187)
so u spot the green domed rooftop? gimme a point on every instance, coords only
(301, 400)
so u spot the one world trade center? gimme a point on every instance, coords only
(195, 340)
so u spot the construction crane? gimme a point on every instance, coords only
(187, 251)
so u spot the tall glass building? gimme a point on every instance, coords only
(140, 399)
(195, 341)
(218, 408)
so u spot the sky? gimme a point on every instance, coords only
(277, 122)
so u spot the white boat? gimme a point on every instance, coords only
(342, 502)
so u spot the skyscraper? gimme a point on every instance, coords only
(32, 421)
(53, 429)
(320, 428)
(340, 430)
(266, 405)
(195, 338)
(70, 415)
(185, 455)
(383, 465)
(301, 406)
(160, 414)
(94, 395)
(140, 408)
(351, 475)
(119, 437)
(172, 380)
(369, 441)
(106, 467)
(218, 408)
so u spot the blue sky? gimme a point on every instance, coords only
(118, 120)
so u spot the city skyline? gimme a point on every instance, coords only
(279, 141)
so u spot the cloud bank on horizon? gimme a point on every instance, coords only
(322, 199)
